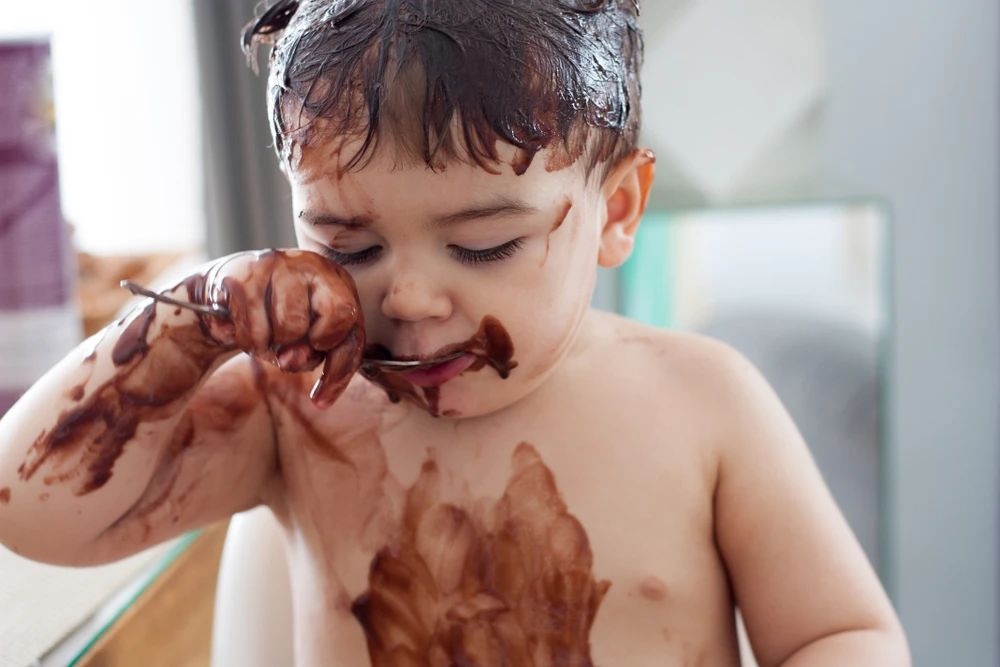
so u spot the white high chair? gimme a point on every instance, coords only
(253, 600)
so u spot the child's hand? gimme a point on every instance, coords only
(295, 309)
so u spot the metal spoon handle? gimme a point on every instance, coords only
(139, 290)
(399, 366)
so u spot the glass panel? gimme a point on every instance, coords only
(801, 291)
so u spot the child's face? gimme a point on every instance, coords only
(433, 253)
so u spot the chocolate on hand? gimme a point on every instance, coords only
(295, 309)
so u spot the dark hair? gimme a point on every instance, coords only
(528, 72)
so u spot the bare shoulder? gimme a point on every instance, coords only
(685, 375)
(693, 359)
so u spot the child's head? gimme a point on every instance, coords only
(463, 159)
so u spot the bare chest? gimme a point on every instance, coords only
(571, 538)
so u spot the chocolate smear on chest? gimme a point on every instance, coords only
(509, 583)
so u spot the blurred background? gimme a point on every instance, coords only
(827, 202)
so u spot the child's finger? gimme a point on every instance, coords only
(298, 358)
(341, 364)
(250, 319)
(335, 315)
(286, 299)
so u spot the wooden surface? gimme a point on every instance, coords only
(170, 625)
(99, 289)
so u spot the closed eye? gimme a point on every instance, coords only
(365, 256)
(496, 254)
(464, 255)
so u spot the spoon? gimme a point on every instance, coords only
(399, 366)
(219, 311)
(139, 290)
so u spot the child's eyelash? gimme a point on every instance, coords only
(353, 258)
(496, 254)
(463, 255)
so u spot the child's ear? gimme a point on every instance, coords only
(626, 193)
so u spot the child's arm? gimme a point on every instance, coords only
(807, 593)
(153, 427)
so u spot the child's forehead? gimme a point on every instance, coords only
(326, 163)
(381, 192)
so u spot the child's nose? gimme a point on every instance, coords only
(413, 298)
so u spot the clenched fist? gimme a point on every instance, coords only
(293, 308)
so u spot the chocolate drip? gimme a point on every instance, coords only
(133, 341)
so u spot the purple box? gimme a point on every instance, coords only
(33, 244)
(36, 296)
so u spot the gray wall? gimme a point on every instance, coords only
(912, 116)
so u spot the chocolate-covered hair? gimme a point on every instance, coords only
(447, 79)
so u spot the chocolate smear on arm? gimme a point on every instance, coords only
(133, 341)
(153, 378)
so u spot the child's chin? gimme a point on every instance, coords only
(467, 401)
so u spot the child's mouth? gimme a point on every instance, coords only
(437, 375)
(490, 346)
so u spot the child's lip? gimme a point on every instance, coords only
(446, 351)
(435, 376)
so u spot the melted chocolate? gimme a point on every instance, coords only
(221, 412)
(293, 345)
(507, 585)
(99, 428)
(154, 376)
(491, 346)
(133, 341)
(558, 224)
(536, 74)
(469, 581)
(522, 161)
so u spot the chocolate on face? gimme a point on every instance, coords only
(567, 207)
(491, 345)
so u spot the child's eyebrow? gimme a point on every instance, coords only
(325, 219)
(500, 208)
